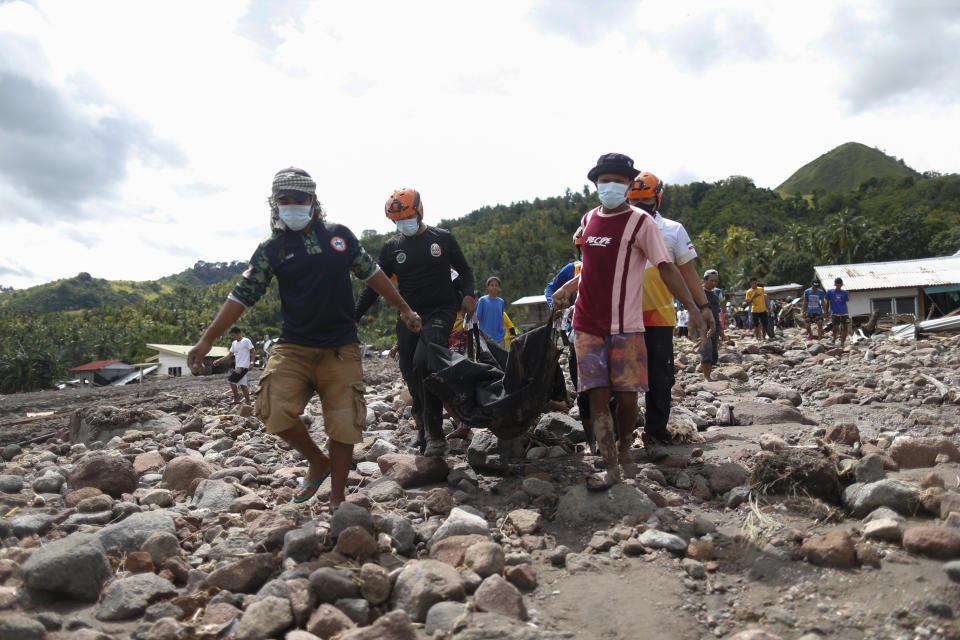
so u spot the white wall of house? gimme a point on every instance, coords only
(863, 302)
(169, 361)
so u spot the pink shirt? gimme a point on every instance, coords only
(616, 248)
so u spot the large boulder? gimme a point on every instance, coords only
(76, 566)
(413, 471)
(129, 597)
(111, 474)
(900, 496)
(776, 391)
(100, 423)
(129, 534)
(423, 583)
(747, 413)
(581, 506)
(181, 472)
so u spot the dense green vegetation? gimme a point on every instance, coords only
(737, 228)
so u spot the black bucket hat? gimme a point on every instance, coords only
(615, 163)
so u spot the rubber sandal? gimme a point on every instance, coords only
(315, 485)
(598, 483)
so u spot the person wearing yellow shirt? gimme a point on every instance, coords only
(511, 331)
(757, 299)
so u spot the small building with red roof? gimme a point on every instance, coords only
(101, 372)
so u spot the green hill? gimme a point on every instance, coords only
(86, 292)
(844, 169)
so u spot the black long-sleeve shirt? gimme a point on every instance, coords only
(422, 266)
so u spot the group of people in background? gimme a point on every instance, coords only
(616, 300)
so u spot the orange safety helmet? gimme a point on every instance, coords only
(646, 185)
(403, 203)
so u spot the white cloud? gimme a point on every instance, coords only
(165, 121)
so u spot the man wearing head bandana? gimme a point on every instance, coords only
(318, 349)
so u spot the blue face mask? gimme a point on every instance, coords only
(408, 226)
(612, 194)
(295, 216)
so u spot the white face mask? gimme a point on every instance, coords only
(612, 194)
(295, 216)
(408, 226)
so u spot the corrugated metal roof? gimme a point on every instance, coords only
(923, 272)
(93, 366)
(183, 349)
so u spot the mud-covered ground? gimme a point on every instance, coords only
(753, 562)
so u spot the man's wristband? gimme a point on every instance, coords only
(705, 305)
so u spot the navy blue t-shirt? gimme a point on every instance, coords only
(313, 274)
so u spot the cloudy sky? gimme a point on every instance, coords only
(139, 137)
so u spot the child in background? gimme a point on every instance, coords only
(490, 311)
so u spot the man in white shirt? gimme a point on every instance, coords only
(243, 353)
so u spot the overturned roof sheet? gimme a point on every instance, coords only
(95, 365)
(539, 299)
(923, 272)
(184, 349)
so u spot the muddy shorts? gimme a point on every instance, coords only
(813, 316)
(838, 319)
(294, 372)
(618, 361)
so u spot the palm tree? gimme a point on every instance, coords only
(844, 230)
(738, 241)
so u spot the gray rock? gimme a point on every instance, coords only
(776, 391)
(384, 489)
(28, 525)
(330, 585)
(869, 469)
(264, 619)
(130, 534)
(402, 532)
(301, 545)
(48, 483)
(380, 447)
(443, 615)
(423, 583)
(357, 609)
(21, 627)
(881, 513)
(129, 597)
(484, 452)
(350, 515)
(861, 499)
(11, 484)
(536, 487)
(161, 546)
(562, 425)
(953, 570)
(737, 496)
(459, 523)
(886, 529)
(579, 505)
(76, 566)
(215, 495)
(662, 540)
(747, 413)
(75, 520)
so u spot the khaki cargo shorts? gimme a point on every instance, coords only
(294, 372)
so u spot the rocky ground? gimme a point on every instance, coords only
(811, 493)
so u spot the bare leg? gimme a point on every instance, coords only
(820, 330)
(341, 457)
(299, 438)
(627, 411)
(236, 392)
(706, 367)
(246, 393)
(843, 334)
(603, 429)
